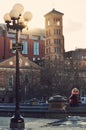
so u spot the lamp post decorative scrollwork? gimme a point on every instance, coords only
(17, 21)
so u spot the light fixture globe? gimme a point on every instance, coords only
(7, 18)
(27, 16)
(19, 7)
(14, 14)
(22, 22)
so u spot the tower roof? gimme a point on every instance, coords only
(53, 11)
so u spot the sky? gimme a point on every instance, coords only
(74, 18)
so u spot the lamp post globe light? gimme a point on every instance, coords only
(17, 21)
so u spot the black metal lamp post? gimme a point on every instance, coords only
(16, 21)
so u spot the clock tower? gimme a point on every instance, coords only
(54, 39)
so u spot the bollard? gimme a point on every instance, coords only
(17, 123)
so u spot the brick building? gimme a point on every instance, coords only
(79, 54)
(33, 44)
(54, 42)
(38, 44)
(29, 76)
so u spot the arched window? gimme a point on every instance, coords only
(10, 81)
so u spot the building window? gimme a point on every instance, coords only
(47, 50)
(36, 48)
(10, 63)
(25, 47)
(58, 23)
(48, 22)
(10, 81)
(57, 41)
(26, 79)
(48, 42)
(57, 31)
(57, 50)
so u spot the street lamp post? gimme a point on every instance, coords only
(16, 21)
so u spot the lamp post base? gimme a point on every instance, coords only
(17, 122)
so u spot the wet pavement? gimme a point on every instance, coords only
(69, 123)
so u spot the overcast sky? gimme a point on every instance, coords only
(74, 19)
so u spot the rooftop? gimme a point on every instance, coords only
(53, 11)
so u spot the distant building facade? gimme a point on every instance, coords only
(79, 54)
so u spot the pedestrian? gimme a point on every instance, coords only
(73, 99)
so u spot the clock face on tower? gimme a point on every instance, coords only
(58, 22)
